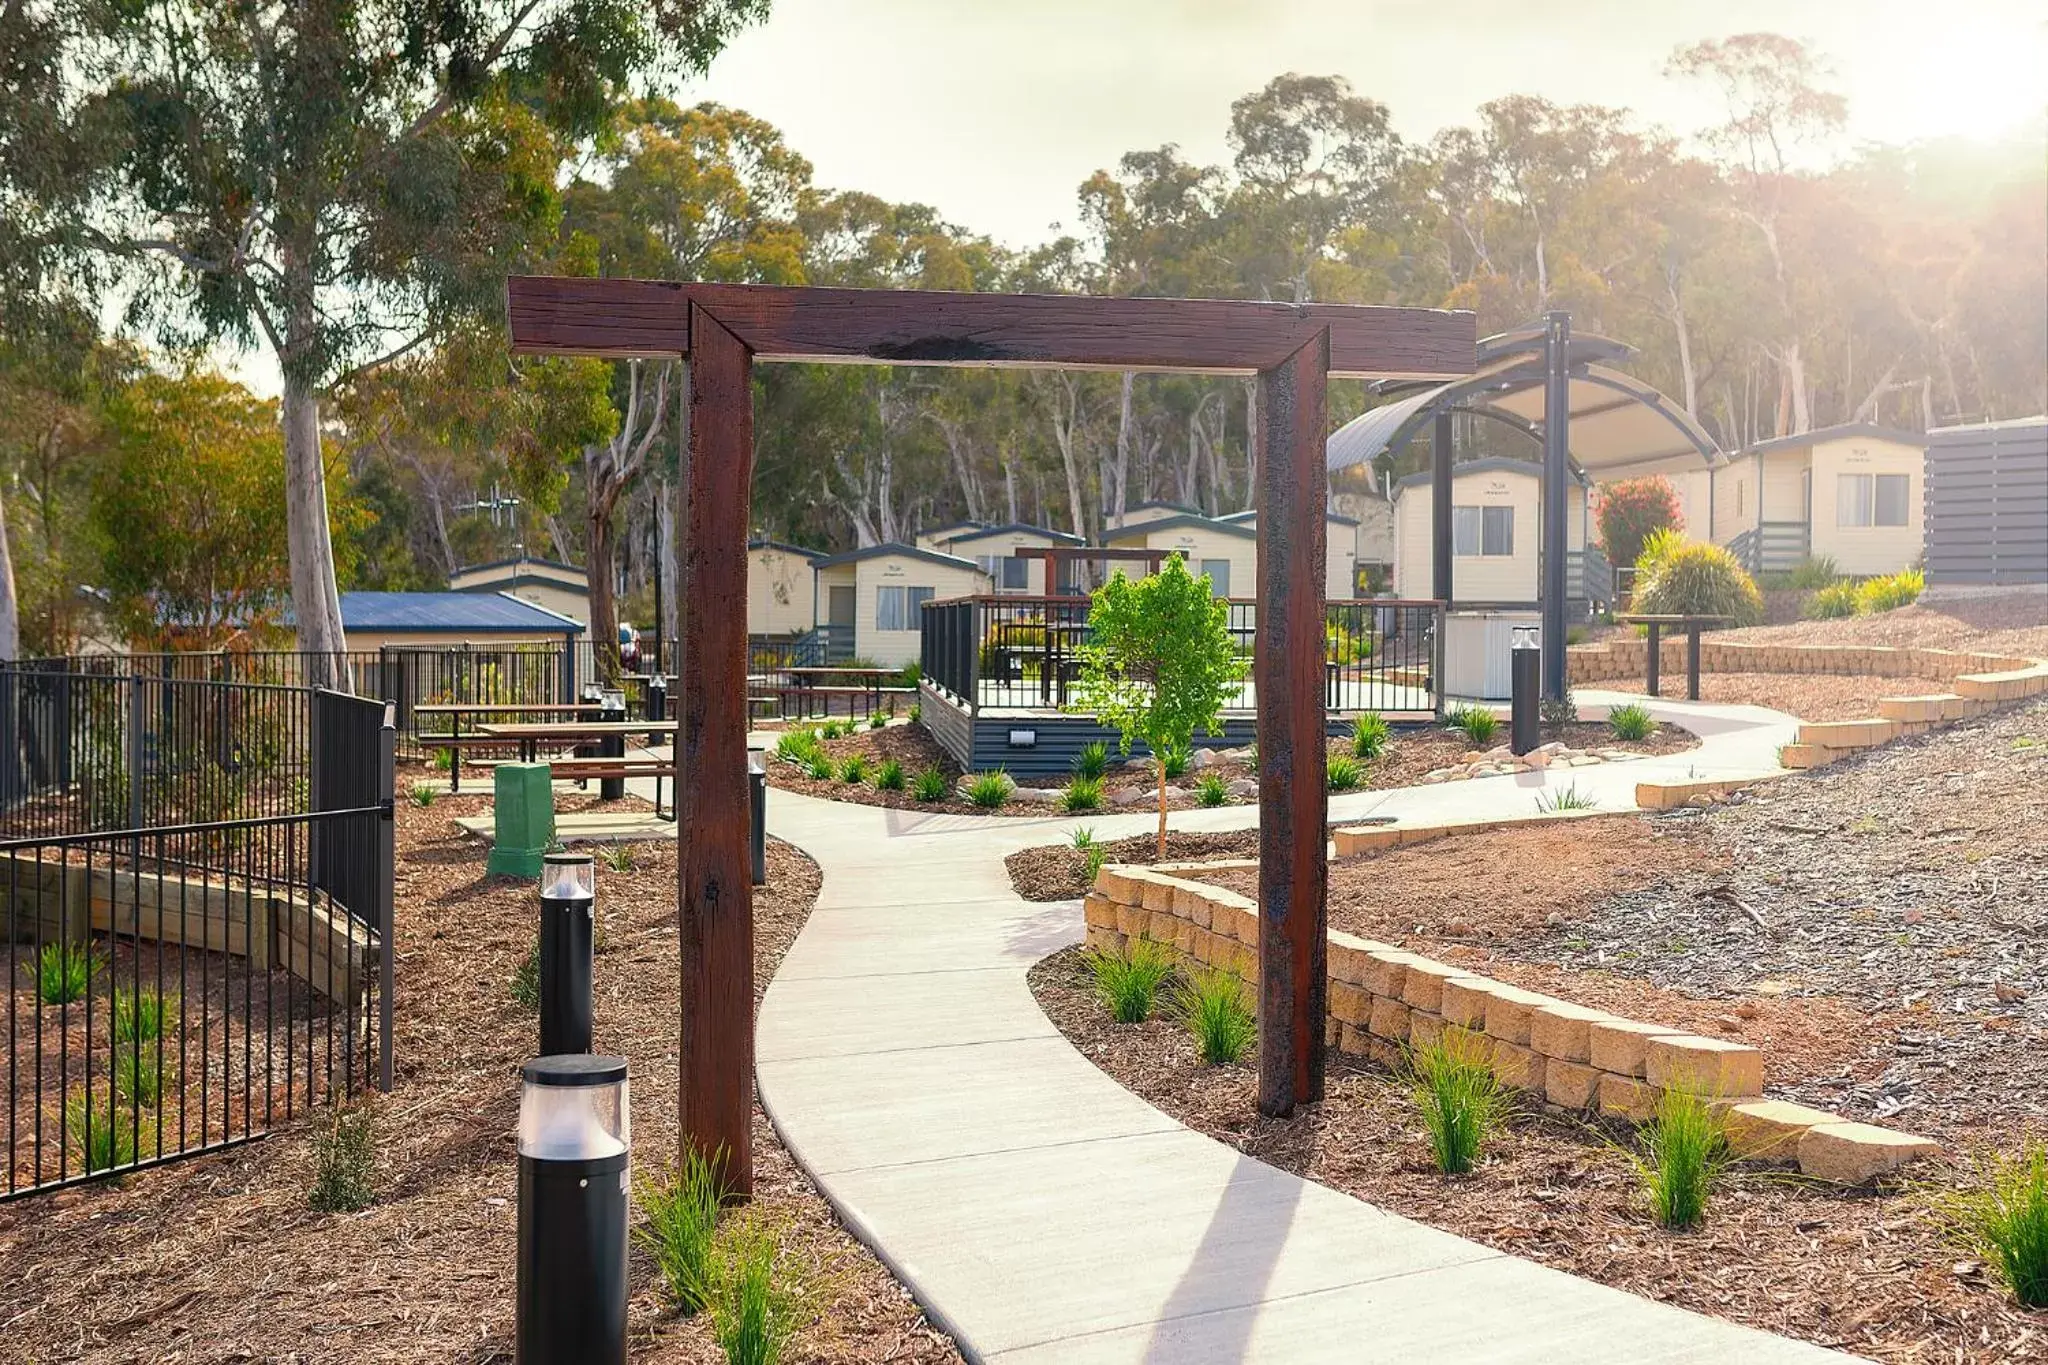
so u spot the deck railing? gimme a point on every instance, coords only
(1026, 653)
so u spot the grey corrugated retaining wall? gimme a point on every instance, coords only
(1987, 504)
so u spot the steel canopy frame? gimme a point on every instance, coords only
(722, 329)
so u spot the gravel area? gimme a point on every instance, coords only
(1870, 1273)
(2016, 623)
(1912, 881)
(217, 1259)
(1809, 696)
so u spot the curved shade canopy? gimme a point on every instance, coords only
(1619, 427)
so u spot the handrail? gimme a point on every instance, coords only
(1018, 599)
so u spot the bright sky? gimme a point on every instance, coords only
(995, 111)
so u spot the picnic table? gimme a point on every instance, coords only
(808, 682)
(1692, 626)
(456, 710)
(531, 736)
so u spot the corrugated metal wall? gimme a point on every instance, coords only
(1987, 504)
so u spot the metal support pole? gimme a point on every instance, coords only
(1556, 470)
(1293, 504)
(1656, 657)
(1442, 454)
(387, 866)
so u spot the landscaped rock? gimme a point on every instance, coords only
(1851, 1153)
(1243, 787)
(1584, 761)
(1203, 758)
(1036, 794)
(1130, 796)
(1536, 758)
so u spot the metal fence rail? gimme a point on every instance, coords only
(1026, 653)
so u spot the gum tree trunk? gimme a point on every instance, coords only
(316, 602)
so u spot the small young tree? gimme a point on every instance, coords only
(1628, 512)
(1159, 662)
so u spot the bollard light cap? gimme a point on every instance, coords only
(573, 1108)
(568, 876)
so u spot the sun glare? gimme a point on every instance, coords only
(1972, 79)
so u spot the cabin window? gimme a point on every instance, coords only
(1219, 576)
(1871, 499)
(898, 608)
(1482, 531)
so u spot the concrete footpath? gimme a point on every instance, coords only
(1041, 1212)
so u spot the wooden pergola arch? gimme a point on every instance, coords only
(722, 329)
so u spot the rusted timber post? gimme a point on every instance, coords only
(715, 899)
(1288, 670)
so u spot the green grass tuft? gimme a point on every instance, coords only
(1476, 722)
(876, 720)
(1083, 836)
(1631, 722)
(1344, 773)
(2006, 1221)
(1212, 1004)
(1092, 858)
(1081, 794)
(102, 1135)
(1176, 757)
(1565, 798)
(1370, 735)
(1890, 592)
(753, 1312)
(890, 777)
(1685, 1149)
(990, 790)
(1128, 982)
(423, 795)
(344, 1161)
(1460, 1100)
(681, 1226)
(1832, 603)
(1092, 760)
(526, 979)
(136, 1077)
(615, 856)
(63, 971)
(1813, 572)
(854, 769)
(819, 769)
(1211, 790)
(930, 785)
(798, 746)
(138, 1015)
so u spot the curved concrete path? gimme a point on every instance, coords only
(1041, 1212)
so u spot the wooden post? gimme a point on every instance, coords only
(1293, 496)
(715, 898)
(1443, 530)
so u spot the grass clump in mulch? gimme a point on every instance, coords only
(1128, 981)
(2006, 1220)
(102, 1133)
(344, 1161)
(990, 791)
(1631, 721)
(679, 1227)
(755, 1309)
(1460, 1100)
(1213, 1007)
(63, 971)
(1685, 1150)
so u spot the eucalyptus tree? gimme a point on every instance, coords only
(330, 182)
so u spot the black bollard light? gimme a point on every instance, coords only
(757, 781)
(568, 924)
(612, 745)
(574, 1169)
(1526, 673)
(657, 706)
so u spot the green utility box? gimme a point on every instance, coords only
(524, 816)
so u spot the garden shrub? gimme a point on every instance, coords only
(63, 971)
(1476, 723)
(102, 1133)
(853, 769)
(1812, 573)
(344, 1161)
(990, 790)
(1343, 772)
(1370, 734)
(137, 1079)
(1460, 1100)
(890, 776)
(1679, 577)
(753, 1311)
(1629, 511)
(1082, 794)
(1128, 982)
(138, 1015)
(422, 794)
(1174, 758)
(930, 785)
(1092, 760)
(1631, 722)
(1341, 645)
(1830, 603)
(819, 768)
(1210, 790)
(1212, 1005)
(1890, 592)
(876, 720)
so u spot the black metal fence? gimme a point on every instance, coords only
(197, 881)
(1026, 652)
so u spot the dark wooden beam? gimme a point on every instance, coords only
(1443, 451)
(715, 895)
(1055, 331)
(1557, 425)
(1293, 501)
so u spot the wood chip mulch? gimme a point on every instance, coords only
(218, 1258)
(1869, 1272)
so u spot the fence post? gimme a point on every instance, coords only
(387, 858)
(136, 712)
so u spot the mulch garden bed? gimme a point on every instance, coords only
(1133, 786)
(1869, 1272)
(1875, 927)
(219, 1258)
